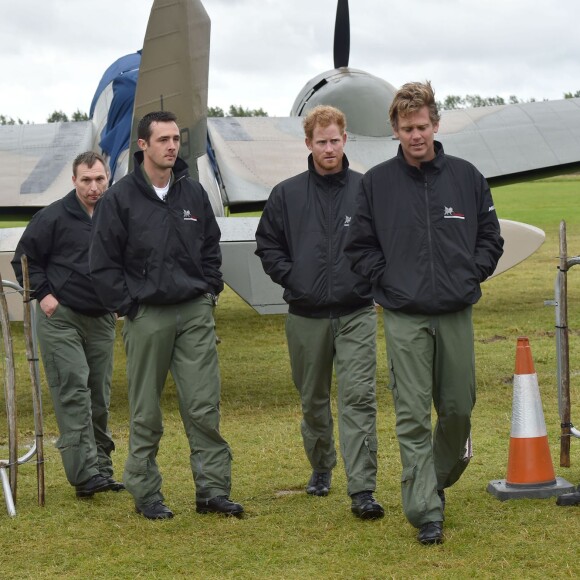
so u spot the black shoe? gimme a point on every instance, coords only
(219, 505)
(155, 511)
(365, 507)
(115, 485)
(441, 494)
(95, 484)
(568, 499)
(431, 533)
(319, 483)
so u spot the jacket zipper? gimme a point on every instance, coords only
(171, 188)
(329, 233)
(429, 235)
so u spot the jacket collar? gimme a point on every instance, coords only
(72, 204)
(180, 169)
(432, 166)
(339, 177)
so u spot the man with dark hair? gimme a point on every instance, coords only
(155, 259)
(76, 333)
(331, 319)
(145, 125)
(426, 235)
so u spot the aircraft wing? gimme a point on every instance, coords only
(515, 142)
(506, 143)
(242, 269)
(255, 153)
(36, 161)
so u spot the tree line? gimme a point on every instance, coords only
(450, 102)
(236, 111)
(78, 115)
(469, 101)
(54, 117)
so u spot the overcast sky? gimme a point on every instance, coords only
(54, 52)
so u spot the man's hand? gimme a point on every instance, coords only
(48, 305)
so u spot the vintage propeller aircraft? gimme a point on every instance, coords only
(239, 160)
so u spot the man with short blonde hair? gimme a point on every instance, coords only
(425, 235)
(409, 99)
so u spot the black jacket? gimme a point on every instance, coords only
(56, 243)
(300, 240)
(148, 251)
(426, 238)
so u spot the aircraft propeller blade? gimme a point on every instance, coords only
(341, 35)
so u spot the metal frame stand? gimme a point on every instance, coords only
(8, 468)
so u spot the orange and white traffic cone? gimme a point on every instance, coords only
(530, 472)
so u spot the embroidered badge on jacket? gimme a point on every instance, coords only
(188, 217)
(450, 214)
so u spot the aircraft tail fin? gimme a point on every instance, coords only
(173, 75)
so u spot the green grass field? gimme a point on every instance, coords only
(287, 534)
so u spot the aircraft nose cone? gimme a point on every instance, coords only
(362, 97)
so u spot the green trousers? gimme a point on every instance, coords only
(348, 343)
(77, 354)
(431, 361)
(181, 339)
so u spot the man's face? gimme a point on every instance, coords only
(163, 146)
(416, 134)
(327, 146)
(90, 184)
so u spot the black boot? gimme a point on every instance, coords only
(219, 505)
(431, 533)
(95, 484)
(319, 483)
(365, 507)
(154, 511)
(568, 499)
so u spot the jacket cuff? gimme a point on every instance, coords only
(128, 309)
(41, 293)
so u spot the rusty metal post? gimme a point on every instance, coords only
(564, 350)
